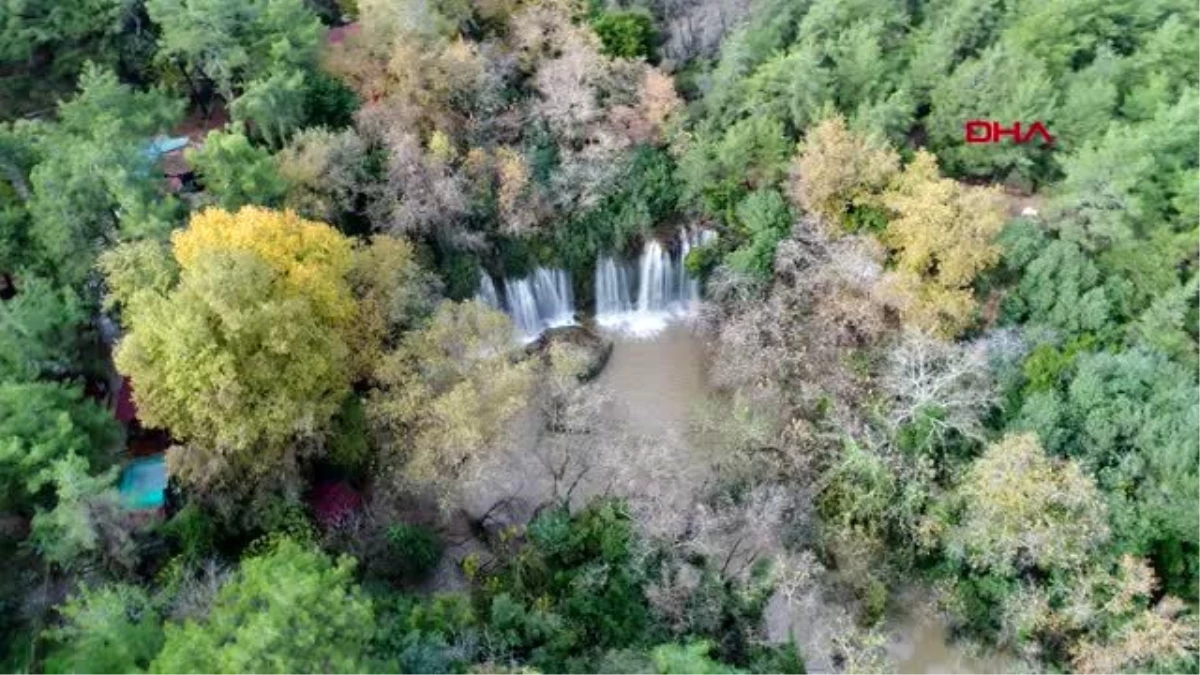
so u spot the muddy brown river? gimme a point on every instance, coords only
(659, 380)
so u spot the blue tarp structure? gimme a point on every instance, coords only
(144, 483)
(161, 145)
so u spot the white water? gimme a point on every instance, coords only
(487, 292)
(537, 302)
(642, 303)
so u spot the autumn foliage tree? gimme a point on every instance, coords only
(394, 294)
(1022, 509)
(310, 258)
(249, 349)
(942, 234)
(447, 393)
(839, 175)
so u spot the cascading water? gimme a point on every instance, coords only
(552, 290)
(522, 306)
(655, 279)
(487, 291)
(537, 302)
(661, 290)
(613, 289)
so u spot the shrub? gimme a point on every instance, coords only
(416, 547)
(193, 531)
(349, 447)
(627, 34)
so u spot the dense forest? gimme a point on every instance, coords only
(259, 238)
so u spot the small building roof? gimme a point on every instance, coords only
(161, 145)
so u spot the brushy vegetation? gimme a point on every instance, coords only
(970, 368)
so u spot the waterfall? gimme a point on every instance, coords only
(655, 288)
(661, 290)
(612, 288)
(539, 301)
(522, 306)
(689, 286)
(552, 290)
(487, 291)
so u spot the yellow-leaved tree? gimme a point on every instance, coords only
(1021, 509)
(251, 350)
(310, 257)
(942, 233)
(839, 175)
(450, 389)
(393, 293)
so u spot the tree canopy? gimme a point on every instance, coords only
(290, 608)
(392, 287)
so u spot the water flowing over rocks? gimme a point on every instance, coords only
(535, 303)
(641, 298)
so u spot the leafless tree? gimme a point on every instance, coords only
(695, 28)
(566, 86)
(196, 590)
(424, 195)
(735, 534)
(925, 373)
(821, 312)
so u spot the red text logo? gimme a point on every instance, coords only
(991, 131)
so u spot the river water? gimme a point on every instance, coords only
(659, 380)
(923, 646)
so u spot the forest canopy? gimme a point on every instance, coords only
(277, 249)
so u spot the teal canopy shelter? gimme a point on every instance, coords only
(144, 483)
(161, 145)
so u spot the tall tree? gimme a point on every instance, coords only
(943, 234)
(1004, 84)
(39, 331)
(98, 181)
(230, 42)
(236, 173)
(1129, 417)
(721, 167)
(839, 174)
(763, 219)
(1022, 509)
(273, 105)
(310, 257)
(41, 423)
(326, 173)
(85, 521)
(450, 389)
(249, 350)
(289, 608)
(394, 294)
(107, 629)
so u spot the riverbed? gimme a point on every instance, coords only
(658, 380)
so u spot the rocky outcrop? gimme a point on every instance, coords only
(596, 347)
